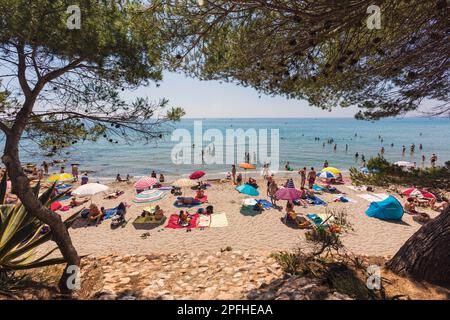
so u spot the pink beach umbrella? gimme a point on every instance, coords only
(196, 175)
(290, 194)
(145, 183)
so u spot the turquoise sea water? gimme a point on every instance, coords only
(297, 144)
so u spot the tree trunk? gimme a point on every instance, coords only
(21, 187)
(426, 255)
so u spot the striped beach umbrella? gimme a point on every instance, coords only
(145, 183)
(290, 184)
(149, 196)
(326, 175)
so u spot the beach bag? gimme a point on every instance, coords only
(55, 206)
(209, 209)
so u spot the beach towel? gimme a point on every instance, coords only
(109, 213)
(319, 219)
(344, 199)
(193, 204)
(249, 202)
(315, 218)
(173, 222)
(318, 188)
(265, 203)
(219, 220)
(148, 220)
(316, 201)
(204, 221)
(373, 197)
(202, 199)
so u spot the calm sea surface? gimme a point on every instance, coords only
(298, 144)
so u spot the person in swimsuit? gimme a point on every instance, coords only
(302, 174)
(311, 177)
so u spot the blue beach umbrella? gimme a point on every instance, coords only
(364, 170)
(247, 189)
(326, 175)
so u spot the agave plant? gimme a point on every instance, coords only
(21, 233)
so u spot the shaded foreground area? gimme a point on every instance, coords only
(226, 274)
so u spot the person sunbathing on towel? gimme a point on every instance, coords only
(95, 214)
(114, 195)
(441, 206)
(185, 201)
(252, 182)
(200, 196)
(159, 213)
(410, 206)
(75, 203)
(183, 218)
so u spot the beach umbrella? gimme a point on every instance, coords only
(149, 196)
(290, 194)
(404, 164)
(184, 183)
(248, 190)
(90, 189)
(196, 175)
(290, 184)
(420, 193)
(364, 170)
(145, 183)
(246, 166)
(332, 170)
(326, 175)
(63, 177)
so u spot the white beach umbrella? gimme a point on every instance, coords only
(404, 164)
(184, 183)
(90, 189)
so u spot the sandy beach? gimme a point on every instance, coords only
(260, 232)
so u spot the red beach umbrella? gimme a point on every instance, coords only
(196, 175)
(414, 192)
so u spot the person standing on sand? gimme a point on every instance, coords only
(233, 173)
(382, 151)
(325, 164)
(302, 174)
(45, 166)
(433, 160)
(61, 170)
(75, 171)
(311, 177)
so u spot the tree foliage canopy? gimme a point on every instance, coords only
(76, 76)
(323, 51)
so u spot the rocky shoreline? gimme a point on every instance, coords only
(222, 275)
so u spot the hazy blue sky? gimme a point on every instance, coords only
(210, 99)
